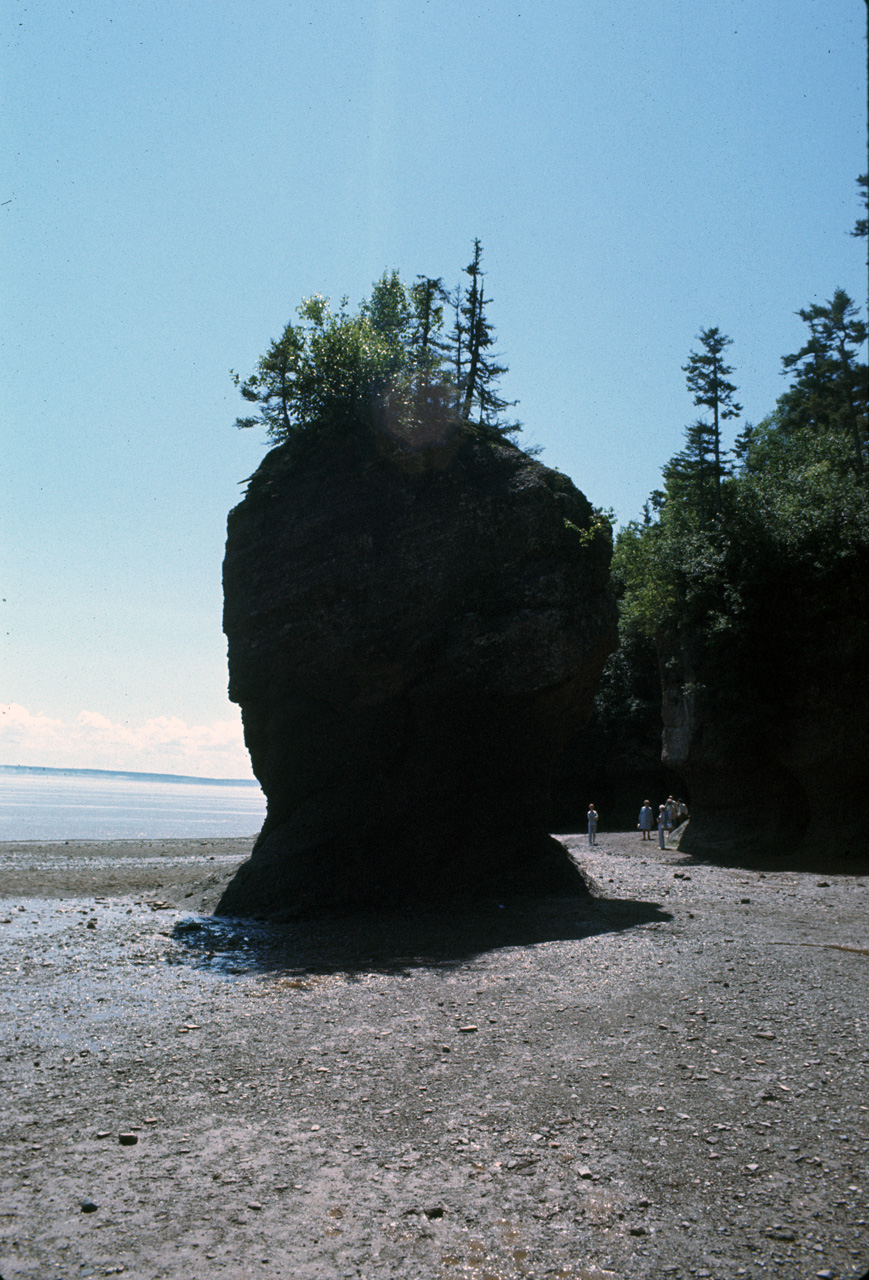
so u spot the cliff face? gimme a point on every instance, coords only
(772, 736)
(413, 634)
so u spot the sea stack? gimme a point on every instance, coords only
(415, 630)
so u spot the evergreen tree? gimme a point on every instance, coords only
(474, 337)
(457, 350)
(830, 387)
(432, 393)
(428, 297)
(861, 226)
(706, 376)
(690, 476)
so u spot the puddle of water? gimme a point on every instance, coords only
(229, 946)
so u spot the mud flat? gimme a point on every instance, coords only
(667, 1080)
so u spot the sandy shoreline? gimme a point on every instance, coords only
(668, 1080)
(183, 871)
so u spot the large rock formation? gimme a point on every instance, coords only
(772, 736)
(413, 634)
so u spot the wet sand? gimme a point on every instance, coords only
(667, 1080)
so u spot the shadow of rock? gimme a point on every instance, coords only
(826, 861)
(396, 942)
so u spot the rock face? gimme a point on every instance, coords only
(773, 742)
(413, 635)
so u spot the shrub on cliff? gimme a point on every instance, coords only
(327, 372)
(389, 364)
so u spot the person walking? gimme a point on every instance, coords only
(670, 810)
(645, 823)
(662, 826)
(592, 824)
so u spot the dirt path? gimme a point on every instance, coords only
(669, 1080)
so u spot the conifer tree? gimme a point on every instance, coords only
(830, 389)
(479, 379)
(706, 376)
(428, 298)
(690, 475)
(861, 226)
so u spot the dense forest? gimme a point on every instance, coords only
(750, 562)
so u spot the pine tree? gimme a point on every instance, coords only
(861, 226)
(478, 380)
(707, 376)
(428, 298)
(830, 389)
(690, 475)
(457, 350)
(432, 392)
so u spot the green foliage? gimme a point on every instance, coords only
(797, 507)
(737, 570)
(328, 371)
(692, 476)
(600, 527)
(830, 387)
(389, 364)
(703, 464)
(796, 512)
(618, 754)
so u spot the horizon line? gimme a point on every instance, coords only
(127, 773)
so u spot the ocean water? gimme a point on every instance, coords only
(88, 805)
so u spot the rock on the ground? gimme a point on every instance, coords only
(413, 635)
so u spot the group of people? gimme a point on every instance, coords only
(670, 815)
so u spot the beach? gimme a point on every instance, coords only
(666, 1079)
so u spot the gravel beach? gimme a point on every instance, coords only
(666, 1080)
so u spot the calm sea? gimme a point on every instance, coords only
(81, 804)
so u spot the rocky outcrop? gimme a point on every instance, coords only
(771, 733)
(414, 632)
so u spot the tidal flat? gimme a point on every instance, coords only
(666, 1079)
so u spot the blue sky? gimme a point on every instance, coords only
(179, 174)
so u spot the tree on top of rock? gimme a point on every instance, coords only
(390, 364)
(477, 370)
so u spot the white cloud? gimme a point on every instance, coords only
(163, 744)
